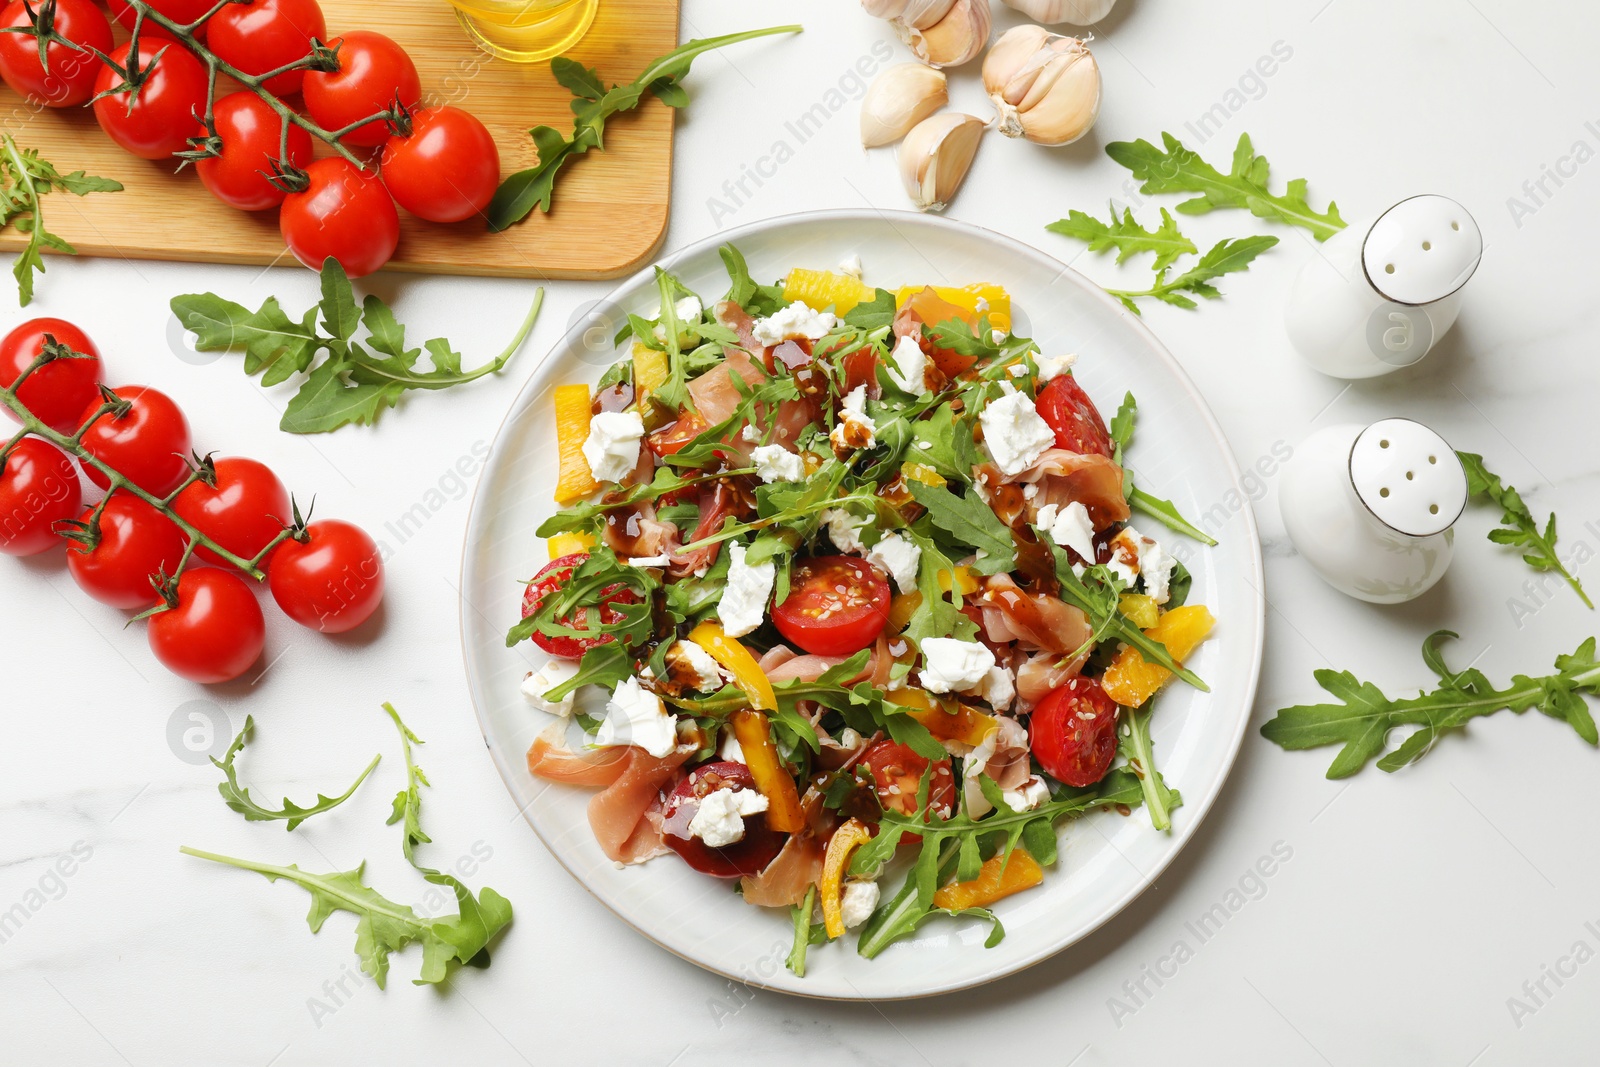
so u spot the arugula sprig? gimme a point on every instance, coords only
(1138, 752)
(24, 180)
(1227, 256)
(1517, 524)
(238, 797)
(1362, 719)
(1164, 511)
(971, 522)
(601, 571)
(1127, 236)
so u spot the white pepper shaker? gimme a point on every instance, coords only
(1378, 296)
(1371, 508)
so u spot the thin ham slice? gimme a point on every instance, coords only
(1039, 623)
(1043, 673)
(618, 814)
(552, 760)
(776, 656)
(1008, 765)
(717, 502)
(1092, 480)
(798, 865)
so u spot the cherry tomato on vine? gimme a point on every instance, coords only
(897, 772)
(158, 120)
(373, 71)
(251, 133)
(246, 510)
(136, 541)
(263, 35)
(183, 12)
(69, 80)
(346, 214)
(57, 392)
(38, 487)
(550, 580)
(446, 169)
(214, 632)
(147, 445)
(332, 582)
(747, 856)
(1074, 418)
(837, 605)
(1073, 733)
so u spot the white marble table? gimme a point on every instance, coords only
(1405, 910)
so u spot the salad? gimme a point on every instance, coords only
(854, 571)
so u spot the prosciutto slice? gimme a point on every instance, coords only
(632, 786)
(1042, 673)
(1039, 623)
(552, 760)
(1092, 480)
(717, 502)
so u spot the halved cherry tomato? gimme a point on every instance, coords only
(147, 445)
(69, 80)
(747, 856)
(446, 169)
(247, 509)
(373, 72)
(38, 487)
(1073, 734)
(1074, 418)
(159, 119)
(550, 580)
(258, 36)
(216, 631)
(136, 541)
(897, 772)
(251, 133)
(57, 392)
(333, 582)
(344, 214)
(837, 605)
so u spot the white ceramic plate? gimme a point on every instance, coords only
(1106, 859)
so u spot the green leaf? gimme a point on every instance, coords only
(1136, 748)
(1127, 236)
(1517, 524)
(238, 797)
(24, 180)
(875, 314)
(1166, 512)
(805, 933)
(338, 301)
(1226, 257)
(971, 522)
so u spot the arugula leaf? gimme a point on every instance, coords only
(1517, 524)
(1164, 511)
(874, 314)
(743, 290)
(945, 442)
(591, 580)
(1178, 170)
(1127, 236)
(24, 180)
(1135, 747)
(806, 932)
(1226, 256)
(864, 708)
(1362, 719)
(238, 797)
(936, 616)
(971, 522)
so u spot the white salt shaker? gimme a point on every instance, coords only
(1371, 508)
(1377, 296)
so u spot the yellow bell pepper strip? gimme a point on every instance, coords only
(902, 607)
(565, 544)
(649, 369)
(1140, 609)
(821, 290)
(754, 735)
(1131, 681)
(997, 879)
(964, 724)
(737, 660)
(576, 480)
(967, 298)
(845, 840)
(921, 472)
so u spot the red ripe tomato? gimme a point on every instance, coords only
(373, 72)
(837, 605)
(147, 445)
(897, 772)
(246, 510)
(215, 631)
(550, 580)
(57, 392)
(446, 169)
(344, 214)
(263, 35)
(183, 12)
(747, 856)
(1074, 418)
(331, 582)
(69, 81)
(38, 488)
(157, 121)
(136, 541)
(250, 132)
(1074, 732)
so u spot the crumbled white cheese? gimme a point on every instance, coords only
(850, 266)
(1014, 433)
(750, 433)
(1155, 567)
(843, 530)
(1126, 546)
(708, 676)
(860, 900)
(1032, 794)
(849, 739)
(1030, 491)
(650, 561)
(998, 337)
(795, 321)
(1054, 366)
(952, 664)
(982, 306)
(1069, 527)
(612, 447)
(719, 821)
(855, 428)
(688, 309)
(899, 558)
(536, 685)
(910, 366)
(744, 601)
(635, 716)
(774, 463)
(998, 687)
(1018, 370)
(729, 749)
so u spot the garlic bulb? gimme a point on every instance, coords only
(935, 157)
(956, 37)
(1046, 87)
(1077, 12)
(902, 96)
(915, 13)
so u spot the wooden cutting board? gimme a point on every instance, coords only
(608, 218)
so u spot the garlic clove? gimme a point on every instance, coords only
(902, 96)
(920, 14)
(955, 39)
(1077, 12)
(1045, 87)
(884, 9)
(936, 155)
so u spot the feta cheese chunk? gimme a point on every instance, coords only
(1051, 367)
(860, 900)
(998, 687)
(1014, 433)
(612, 448)
(855, 428)
(899, 558)
(650, 561)
(688, 309)
(635, 716)
(910, 366)
(1032, 794)
(750, 433)
(954, 665)
(1155, 567)
(795, 321)
(850, 266)
(719, 821)
(730, 749)
(707, 674)
(744, 601)
(842, 530)
(774, 463)
(536, 685)
(1069, 527)
(1126, 549)
(998, 337)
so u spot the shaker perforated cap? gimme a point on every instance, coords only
(1408, 476)
(1422, 249)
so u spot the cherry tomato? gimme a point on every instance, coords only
(446, 169)
(57, 392)
(897, 772)
(38, 487)
(183, 12)
(159, 120)
(551, 579)
(263, 35)
(147, 445)
(215, 632)
(1073, 734)
(747, 856)
(837, 605)
(1074, 418)
(246, 510)
(250, 132)
(346, 214)
(333, 582)
(136, 541)
(69, 81)
(373, 71)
